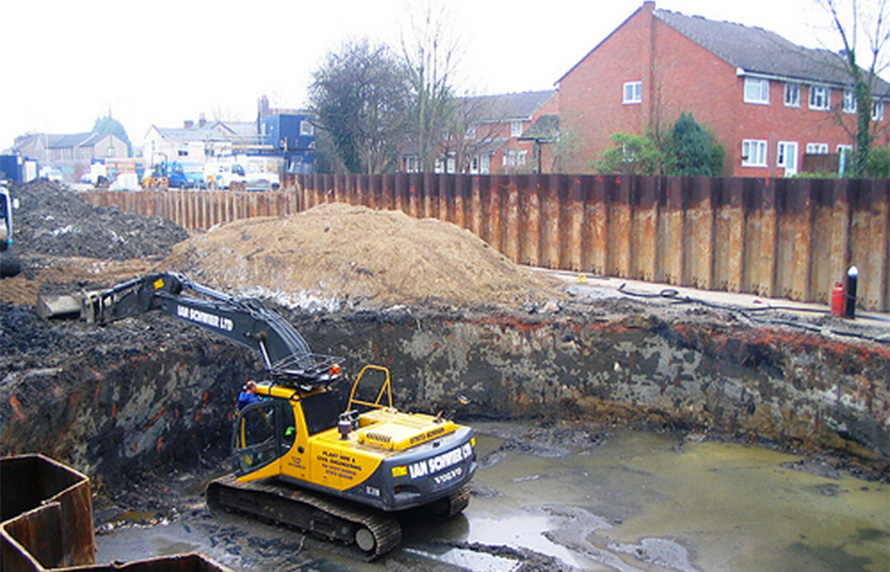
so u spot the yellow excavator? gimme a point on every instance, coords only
(301, 457)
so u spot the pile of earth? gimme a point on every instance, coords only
(337, 253)
(54, 220)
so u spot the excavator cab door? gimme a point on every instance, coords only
(263, 432)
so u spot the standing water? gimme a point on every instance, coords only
(634, 501)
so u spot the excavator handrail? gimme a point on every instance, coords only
(386, 387)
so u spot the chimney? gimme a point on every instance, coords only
(188, 124)
(201, 121)
(649, 6)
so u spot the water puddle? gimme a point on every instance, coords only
(648, 500)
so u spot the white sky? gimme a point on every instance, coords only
(66, 63)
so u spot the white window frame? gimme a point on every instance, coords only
(306, 128)
(792, 94)
(632, 93)
(849, 101)
(754, 153)
(877, 110)
(817, 148)
(820, 97)
(515, 157)
(756, 91)
(515, 128)
(786, 158)
(471, 132)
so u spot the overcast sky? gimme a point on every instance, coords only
(162, 62)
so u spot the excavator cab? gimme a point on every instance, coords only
(263, 433)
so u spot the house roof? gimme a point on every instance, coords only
(545, 128)
(215, 131)
(754, 50)
(507, 106)
(70, 140)
(760, 51)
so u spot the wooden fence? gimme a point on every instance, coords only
(790, 238)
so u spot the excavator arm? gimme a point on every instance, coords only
(286, 354)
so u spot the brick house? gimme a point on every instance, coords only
(769, 101)
(491, 142)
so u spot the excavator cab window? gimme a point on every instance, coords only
(256, 441)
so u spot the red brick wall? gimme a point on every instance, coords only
(590, 94)
(685, 77)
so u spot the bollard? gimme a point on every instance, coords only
(852, 279)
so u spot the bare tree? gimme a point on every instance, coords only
(864, 31)
(431, 55)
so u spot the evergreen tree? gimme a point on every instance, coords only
(690, 147)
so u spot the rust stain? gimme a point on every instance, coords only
(154, 419)
(17, 407)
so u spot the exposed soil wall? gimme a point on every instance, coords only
(150, 391)
(419, 297)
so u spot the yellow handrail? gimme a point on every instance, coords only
(386, 387)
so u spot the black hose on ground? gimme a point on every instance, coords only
(674, 295)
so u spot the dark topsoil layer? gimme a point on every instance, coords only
(56, 221)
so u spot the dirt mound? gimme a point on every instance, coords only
(338, 252)
(54, 220)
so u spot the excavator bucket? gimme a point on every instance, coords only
(59, 306)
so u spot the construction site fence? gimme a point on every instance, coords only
(781, 238)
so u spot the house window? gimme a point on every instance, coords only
(628, 155)
(633, 92)
(792, 95)
(515, 128)
(474, 164)
(849, 101)
(515, 158)
(877, 110)
(753, 153)
(756, 91)
(820, 97)
(306, 128)
(486, 164)
(471, 132)
(817, 148)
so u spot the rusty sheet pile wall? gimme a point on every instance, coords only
(790, 238)
(196, 210)
(46, 523)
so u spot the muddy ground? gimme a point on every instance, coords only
(142, 406)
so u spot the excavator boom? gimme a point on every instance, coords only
(246, 321)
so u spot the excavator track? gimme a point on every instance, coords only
(450, 506)
(375, 533)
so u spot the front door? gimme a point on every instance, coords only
(788, 157)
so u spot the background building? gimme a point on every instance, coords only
(768, 101)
